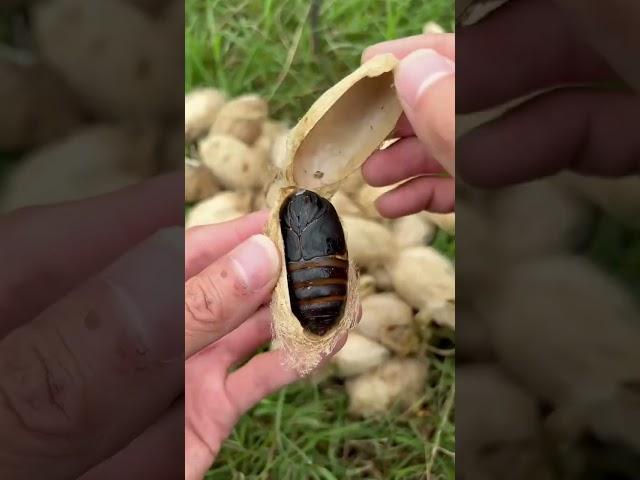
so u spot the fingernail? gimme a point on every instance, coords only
(257, 261)
(418, 71)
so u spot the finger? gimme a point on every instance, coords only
(205, 244)
(96, 368)
(612, 29)
(425, 82)
(224, 294)
(435, 194)
(403, 128)
(444, 44)
(585, 131)
(495, 70)
(247, 338)
(261, 376)
(151, 455)
(234, 347)
(47, 251)
(404, 159)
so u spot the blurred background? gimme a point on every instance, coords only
(548, 245)
(384, 408)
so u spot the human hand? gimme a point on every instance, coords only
(579, 46)
(231, 271)
(91, 367)
(425, 82)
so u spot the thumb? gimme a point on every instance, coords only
(425, 82)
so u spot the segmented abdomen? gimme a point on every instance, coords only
(318, 290)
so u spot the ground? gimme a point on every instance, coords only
(285, 52)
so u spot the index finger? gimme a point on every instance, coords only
(443, 43)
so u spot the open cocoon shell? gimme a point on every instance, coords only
(389, 321)
(234, 164)
(343, 127)
(222, 207)
(332, 140)
(398, 382)
(353, 183)
(242, 118)
(358, 355)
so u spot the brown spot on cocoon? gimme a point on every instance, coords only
(223, 274)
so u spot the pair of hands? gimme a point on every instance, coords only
(231, 269)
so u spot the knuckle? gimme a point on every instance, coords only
(204, 304)
(42, 387)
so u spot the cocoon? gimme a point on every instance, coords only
(369, 242)
(271, 132)
(444, 221)
(497, 425)
(399, 382)
(234, 164)
(537, 218)
(425, 279)
(242, 118)
(222, 207)
(554, 322)
(389, 321)
(94, 161)
(91, 42)
(366, 285)
(413, 230)
(199, 182)
(358, 355)
(617, 197)
(330, 142)
(344, 205)
(201, 106)
(37, 107)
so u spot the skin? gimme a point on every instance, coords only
(427, 137)
(95, 380)
(587, 129)
(214, 342)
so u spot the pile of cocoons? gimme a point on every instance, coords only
(548, 334)
(406, 286)
(90, 96)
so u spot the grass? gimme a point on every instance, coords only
(277, 49)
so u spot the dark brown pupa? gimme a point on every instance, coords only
(316, 260)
